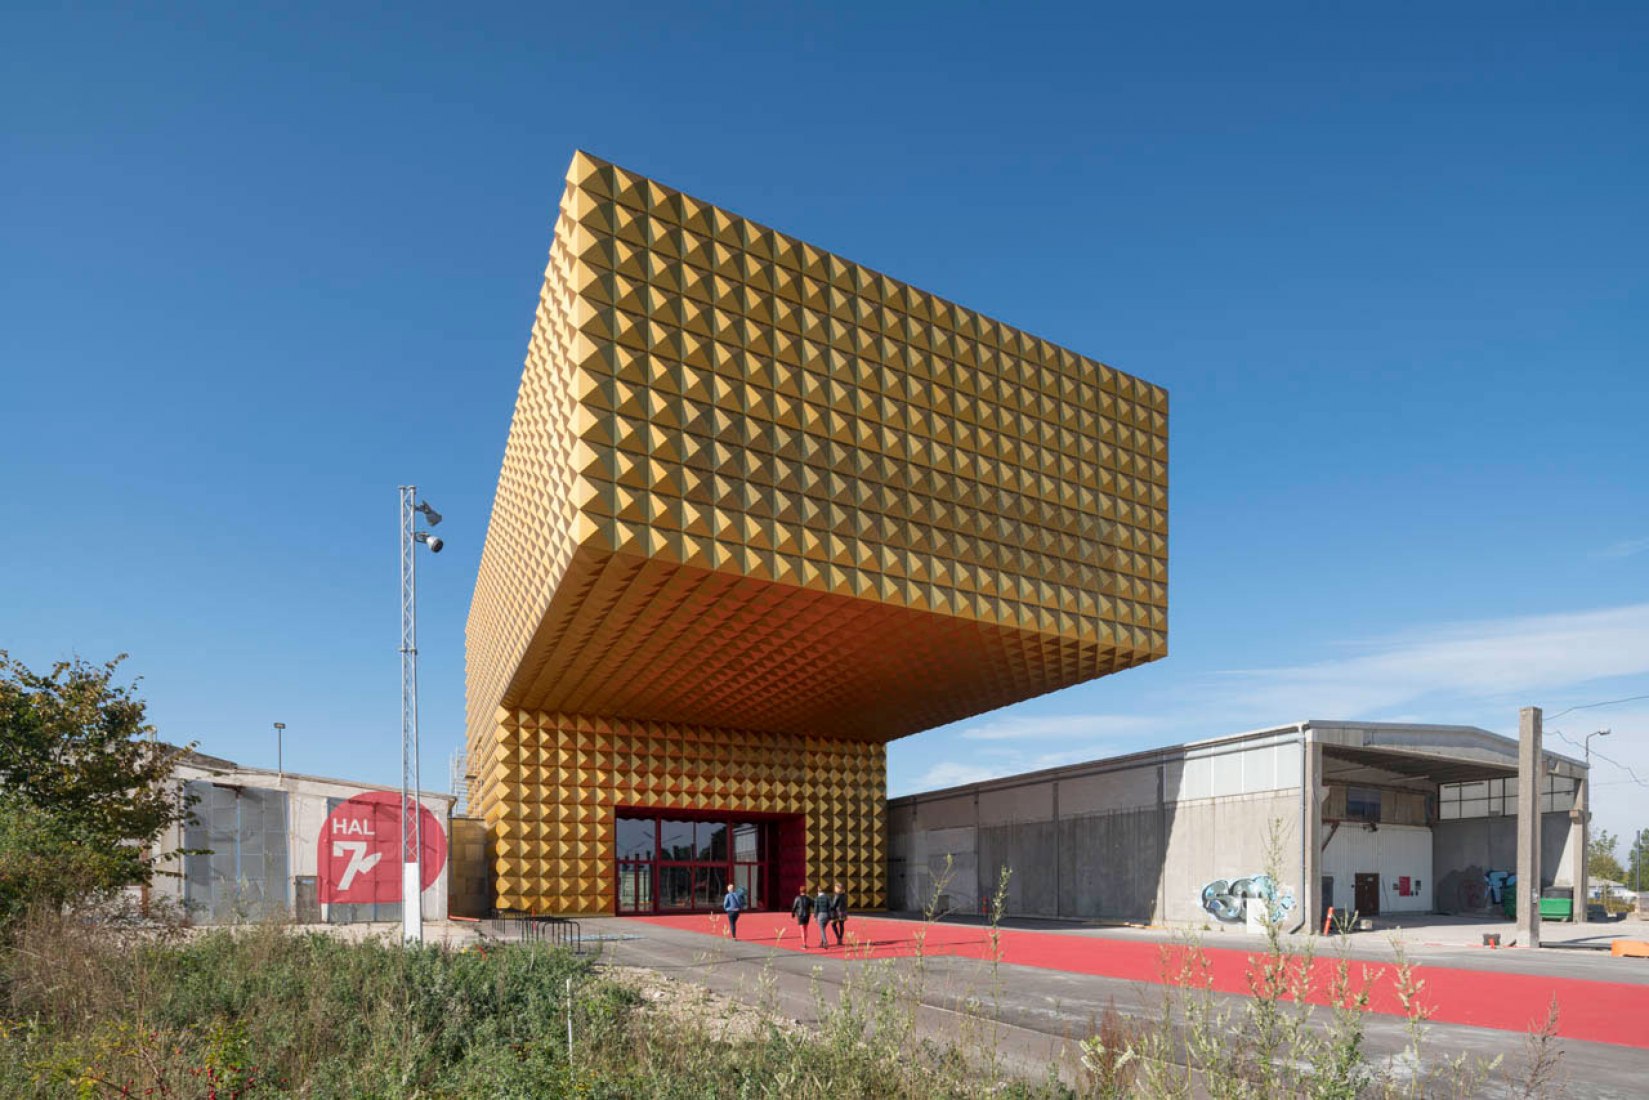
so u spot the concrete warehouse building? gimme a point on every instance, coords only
(272, 844)
(1374, 817)
(762, 510)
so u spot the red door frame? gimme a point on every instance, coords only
(783, 861)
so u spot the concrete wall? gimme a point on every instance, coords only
(306, 813)
(1110, 865)
(1393, 852)
(1464, 849)
(1133, 841)
(1226, 839)
(933, 855)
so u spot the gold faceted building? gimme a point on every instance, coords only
(763, 510)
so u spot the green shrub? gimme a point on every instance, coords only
(47, 863)
(264, 1011)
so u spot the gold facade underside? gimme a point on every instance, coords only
(753, 486)
(671, 642)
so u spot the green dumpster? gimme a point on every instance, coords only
(1557, 909)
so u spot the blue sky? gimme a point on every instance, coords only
(258, 266)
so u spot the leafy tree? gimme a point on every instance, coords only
(84, 781)
(43, 862)
(1637, 861)
(1600, 857)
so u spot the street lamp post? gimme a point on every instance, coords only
(412, 825)
(280, 760)
(1586, 853)
(1641, 844)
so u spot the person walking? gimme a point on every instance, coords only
(821, 913)
(838, 913)
(802, 910)
(733, 905)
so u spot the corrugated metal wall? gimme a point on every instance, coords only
(239, 871)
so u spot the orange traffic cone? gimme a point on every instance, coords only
(1328, 920)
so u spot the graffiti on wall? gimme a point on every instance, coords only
(1471, 889)
(1226, 900)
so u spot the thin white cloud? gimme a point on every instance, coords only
(1527, 656)
(1619, 762)
(1033, 726)
(1471, 673)
(1625, 548)
(1070, 756)
(996, 763)
(951, 773)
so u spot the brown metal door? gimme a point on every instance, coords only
(1366, 893)
(307, 905)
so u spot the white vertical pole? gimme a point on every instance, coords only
(1531, 761)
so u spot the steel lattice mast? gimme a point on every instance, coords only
(457, 778)
(412, 839)
(412, 814)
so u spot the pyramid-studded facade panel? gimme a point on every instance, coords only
(559, 781)
(752, 485)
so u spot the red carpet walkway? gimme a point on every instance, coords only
(1600, 1012)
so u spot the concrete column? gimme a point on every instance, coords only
(1161, 912)
(1311, 886)
(981, 892)
(1059, 909)
(1580, 839)
(1530, 768)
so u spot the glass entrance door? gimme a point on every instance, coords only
(674, 865)
(635, 887)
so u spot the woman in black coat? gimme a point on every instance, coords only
(802, 909)
(838, 914)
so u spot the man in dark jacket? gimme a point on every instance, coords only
(838, 913)
(821, 910)
(802, 909)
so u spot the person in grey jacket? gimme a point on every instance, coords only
(821, 910)
(838, 913)
(802, 909)
(733, 905)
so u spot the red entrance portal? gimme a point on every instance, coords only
(675, 862)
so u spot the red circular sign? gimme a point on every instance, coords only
(358, 858)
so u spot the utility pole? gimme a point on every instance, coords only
(1632, 875)
(1531, 767)
(1583, 807)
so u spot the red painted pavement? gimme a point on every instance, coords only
(1600, 1012)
